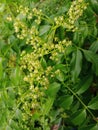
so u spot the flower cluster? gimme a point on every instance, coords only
(20, 26)
(59, 20)
(12, 61)
(33, 66)
(20, 29)
(60, 48)
(23, 10)
(38, 72)
(32, 99)
(75, 11)
(9, 18)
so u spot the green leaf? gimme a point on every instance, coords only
(94, 4)
(60, 76)
(61, 67)
(2, 44)
(61, 33)
(93, 58)
(43, 62)
(78, 117)
(65, 101)
(21, 16)
(69, 50)
(16, 76)
(8, 128)
(63, 9)
(95, 31)
(6, 49)
(89, 55)
(83, 30)
(18, 114)
(76, 64)
(2, 7)
(84, 84)
(1, 68)
(89, 127)
(93, 104)
(36, 116)
(48, 105)
(53, 89)
(14, 43)
(44, 29)
(11, 93)
(13, 125)
(76, 37)
(94, 46)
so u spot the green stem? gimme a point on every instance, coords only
(9, 9)
(80, 101)
(45, 17)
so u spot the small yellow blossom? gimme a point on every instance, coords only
(9, 18)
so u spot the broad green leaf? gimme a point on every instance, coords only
(2, 44)
(2, 7)
(36, 116)
(83, 33)
(16, 76)
(11, 101)
(11, 92)
(84, 84)
(95, 31)
(75, 106)
(14, 42)
(89, 12)
(18, 114)
(44, 29)
(89, 127)
(47, 106)
(1, 68)
(63, 9)
(43, 62)
(61, 67)
(6, 49)
(53, 89)
(21, 16)
(76, 64)
(8, 128)
(76, 37)
(93, 58)
(69, 50)
(93, 104)
(94, 4)
(13, 125)
(95, 63)
(78, 117)
(65, 101)
(60, 76)
(61, 33)
(89, 55)
(94, 46)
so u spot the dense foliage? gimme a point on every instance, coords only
(48, 65)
